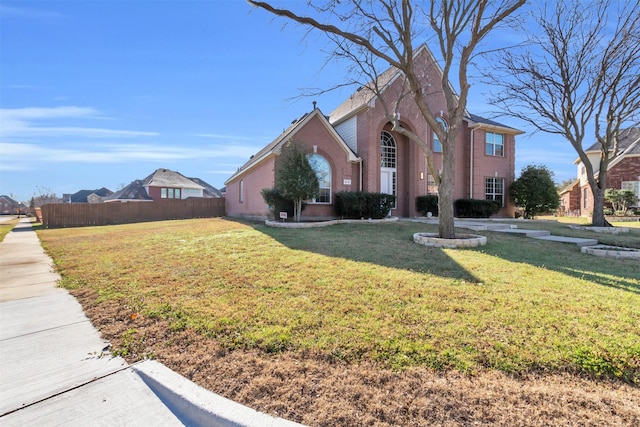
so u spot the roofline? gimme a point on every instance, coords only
(417, 51)
(503, 129)
(285, 137)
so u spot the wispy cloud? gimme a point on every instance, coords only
(22, 122)
(29, 13)
(23, 154)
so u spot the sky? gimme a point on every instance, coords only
(100, 93)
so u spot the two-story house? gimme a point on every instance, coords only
(623, 173)
(356, 149)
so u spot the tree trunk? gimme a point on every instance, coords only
(297, 209)
(598, 219)
(446, 226)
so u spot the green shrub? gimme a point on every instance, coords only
(608, 211)
(277, 202)
(426, 204)
(359, 204)
(475, 208)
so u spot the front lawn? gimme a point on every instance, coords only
(367, 293)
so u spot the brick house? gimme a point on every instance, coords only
(164, 184)
(87, 196)
(355, 149)
(8, 206)
(623, 173)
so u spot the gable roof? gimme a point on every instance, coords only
(8, 199)
(569, 187)
(209, 190)
(476, 121)
(169, 178)
(81, 196)
(364, 96)
(275, 147)
(628, 144)
(133, 191)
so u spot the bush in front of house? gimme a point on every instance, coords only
(475, 208)
(277, 202)
(360, 204)
(426, 204)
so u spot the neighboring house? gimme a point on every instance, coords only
(623, 173)
(8, 206)
(355, 149)
(164, 184)
(209, 191)
(87, 196)
(134, 192)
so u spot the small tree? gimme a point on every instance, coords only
(535, 191)
(620, 199)
(295, 178)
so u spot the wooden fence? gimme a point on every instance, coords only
(88, 214)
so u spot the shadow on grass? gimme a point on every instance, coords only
(623, 274)
(389, 245)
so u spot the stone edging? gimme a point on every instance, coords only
(611, 251)
(279, 224)
(461, 240)
(609, 230)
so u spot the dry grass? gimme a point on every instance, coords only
(356, 325)
(6, 227)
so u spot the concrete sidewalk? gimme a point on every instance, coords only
(56, 370)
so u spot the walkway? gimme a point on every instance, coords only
(480, 225)
(56, 370)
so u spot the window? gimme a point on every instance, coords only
(388, 164)
(321, 167)
(494, 144)
(432, 188)
(437, 145)
(633, 186)
(585, 196)
(241, 191)
(388, 150)
(494, 189)
(169, 193)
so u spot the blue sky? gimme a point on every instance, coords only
(100, 93)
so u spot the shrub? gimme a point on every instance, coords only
(277, 202)
(359, 204)
(608, 211)
(475, 208)
(426, 204)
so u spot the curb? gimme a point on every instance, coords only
(196, 406)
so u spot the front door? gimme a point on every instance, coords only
(388, 182)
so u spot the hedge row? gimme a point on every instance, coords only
(359, 204)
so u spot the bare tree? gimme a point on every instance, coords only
(43, 196)
(582, 71)
(369, 33)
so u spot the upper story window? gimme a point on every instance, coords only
(387, 150)
(169, 193)
(321, 167)
(437, 145)
(494, 145)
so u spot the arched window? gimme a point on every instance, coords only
(437, 145)
(388, 164)
(321, 167)
(387, 150)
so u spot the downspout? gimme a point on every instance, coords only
(471, 166)
(360, 162)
